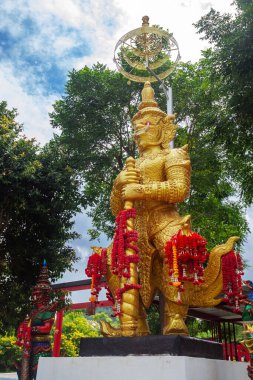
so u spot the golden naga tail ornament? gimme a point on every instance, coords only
(168, 257)
(212, 286)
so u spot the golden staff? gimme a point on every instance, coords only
(25, 364)
(130, 298)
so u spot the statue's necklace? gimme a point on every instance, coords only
(152, 156)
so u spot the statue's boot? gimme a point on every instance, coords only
(174, 319)
(175, 325)
(142, 324)
(142, 327)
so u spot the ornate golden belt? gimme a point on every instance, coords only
(41, 338)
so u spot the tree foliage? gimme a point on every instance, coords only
(199, 328)
(216, 209)
(39, 195)
(232, 67)
(76, 325)
(153, 318)
(9, 353)
(94, 118)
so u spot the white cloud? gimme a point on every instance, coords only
(97, 25)
(82, 252)
(33, 109)
(59, 27)
(177, 16)
(63, 43)
(206, 5)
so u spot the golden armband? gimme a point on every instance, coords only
(172, 191)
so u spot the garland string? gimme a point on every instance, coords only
(124, 240)
(232, 271)
(96, 268)
(97, 264)
(184, 257)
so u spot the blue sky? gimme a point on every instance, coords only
(42, 40)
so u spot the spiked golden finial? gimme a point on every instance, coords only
(148, 103)
(148, 96)
(145, 21)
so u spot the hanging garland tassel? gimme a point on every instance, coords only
(232, 270)
(96, 268)
(185, 256)
(24, 335)
(124, 240)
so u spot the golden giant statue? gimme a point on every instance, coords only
(155, 183)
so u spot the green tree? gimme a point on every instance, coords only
(39, 195)
(76, 326)
(199, 328)
(153, 318)
(9, 353)
(94, 118)
(217, 211)
(231, 66)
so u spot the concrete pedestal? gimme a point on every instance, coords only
(146, 367)
(173, 345)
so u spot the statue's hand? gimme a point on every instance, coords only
(129, 176)
(133, 192)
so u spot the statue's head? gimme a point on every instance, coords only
(151, 125)
(41, 291)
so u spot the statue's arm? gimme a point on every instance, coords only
(45, 328)
(178, 174)
(175, 189)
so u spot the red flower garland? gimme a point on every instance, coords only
(96, 268)
(124, 240)
(232, 270)
(24, 335)
(97, 263)
(185, 256)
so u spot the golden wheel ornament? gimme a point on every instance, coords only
(145, 54)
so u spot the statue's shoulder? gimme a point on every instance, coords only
(181, 152)
(178, 156)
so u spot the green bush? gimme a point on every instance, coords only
(75, 327)
(9, 353)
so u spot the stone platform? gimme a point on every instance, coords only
(176, 345)
(144, 358)
(144, 367)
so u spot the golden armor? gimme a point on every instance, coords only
(154, 184)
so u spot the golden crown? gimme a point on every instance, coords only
(148, 104)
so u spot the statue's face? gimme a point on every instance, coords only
(147, 132)
(38, 297)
